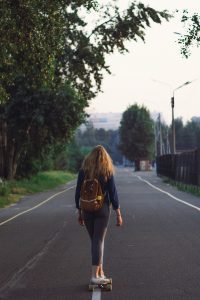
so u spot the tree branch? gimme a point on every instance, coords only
(96, 28)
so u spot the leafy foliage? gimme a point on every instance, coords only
(187, 135)
(52, 64)
(44, 39)
(91, 137)
(192, 36)
(136, 133)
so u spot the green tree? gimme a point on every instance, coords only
(113, 144)
(88, 136)
(36, 121)
(188, 135)
(93, 136)
(74, 156)
(51, 65)
(196, 120)
(192, 134)
(179, 133)
(136, 134)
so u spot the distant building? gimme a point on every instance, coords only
(105, 120)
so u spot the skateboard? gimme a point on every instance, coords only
(103, 286)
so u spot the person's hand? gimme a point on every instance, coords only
(119, 217)
(81, 221)
(119, 220)
(80, 218)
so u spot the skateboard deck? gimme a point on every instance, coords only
(103, 286)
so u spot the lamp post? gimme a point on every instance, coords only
(172, 105)
(173, 122)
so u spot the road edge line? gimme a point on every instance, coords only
(36, 206)
(170, 195)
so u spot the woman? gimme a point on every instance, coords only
(98, 164)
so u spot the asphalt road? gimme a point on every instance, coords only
(155, 255)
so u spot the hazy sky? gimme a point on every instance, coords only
(157, 59)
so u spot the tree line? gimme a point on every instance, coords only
(142, 138)
(52, 60)
(90, 137)
(136, 137)
(187, 135)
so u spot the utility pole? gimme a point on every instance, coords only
(160, 135)
(173, 150)
(173, 127)
(156, 138)
(168, 145)
(173, 123)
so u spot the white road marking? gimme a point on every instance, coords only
(36, 206)
(96, 294)
(170, 195)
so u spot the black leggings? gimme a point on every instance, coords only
(96, 224)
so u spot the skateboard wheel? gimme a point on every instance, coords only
(104, 287)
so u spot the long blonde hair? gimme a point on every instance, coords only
(98, 163)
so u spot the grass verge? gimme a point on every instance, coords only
(192, 189)
(11, 191)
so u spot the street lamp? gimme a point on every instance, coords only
(173, 123)
(172, 105)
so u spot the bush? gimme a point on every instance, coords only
(12, 191)
(4, 188)
(74, 157)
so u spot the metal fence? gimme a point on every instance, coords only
(183, 167)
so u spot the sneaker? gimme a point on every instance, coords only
(99, 280)
(104, 278)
